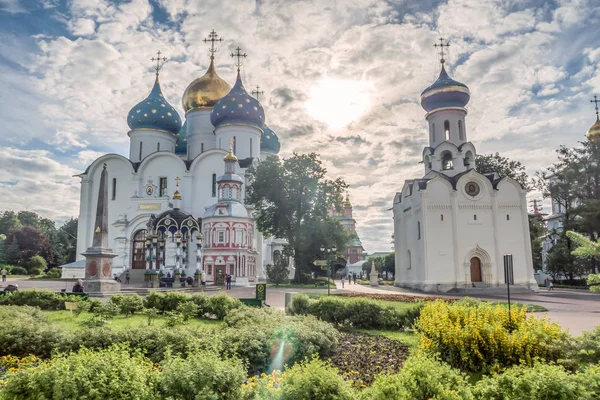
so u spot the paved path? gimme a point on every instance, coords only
(575, 310)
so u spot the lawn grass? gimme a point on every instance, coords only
(409, 338)
(529, 307)
(400, 305)
(72, 322)
(300, 286)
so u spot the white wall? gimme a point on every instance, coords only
(150, 139)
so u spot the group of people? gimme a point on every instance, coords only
(350, 277)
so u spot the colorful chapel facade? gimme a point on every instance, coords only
(453, 226)
(177, 200)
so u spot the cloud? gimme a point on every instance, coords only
(12, 6)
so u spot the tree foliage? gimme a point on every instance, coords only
(278, 272)
(291, 199)
(489, 163)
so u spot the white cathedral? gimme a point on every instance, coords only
(177, 200)
(453, 226)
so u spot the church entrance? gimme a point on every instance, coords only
(475, 269)
(219, 275)
(139, 250)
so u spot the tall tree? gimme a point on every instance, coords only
(488, 163)
(291, 198)
(30, 242)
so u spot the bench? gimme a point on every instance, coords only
(82, 295)
(320, 283)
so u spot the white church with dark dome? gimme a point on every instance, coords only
(176, 203)
(453, 226)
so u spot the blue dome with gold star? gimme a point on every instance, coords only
(445, 92)
(269, 142)
(154, 112)
(182, 137)
(237, 107)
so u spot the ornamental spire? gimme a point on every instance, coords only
(596, 101)
(257, 92)
(160, 62)
(238, 54)
(441, 46)
(177, 195)
(213, 38)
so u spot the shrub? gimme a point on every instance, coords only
(263, 387)
(593, 280)
(202, 302)
(253, 344)
(298, 305)
(309, 336)
(36, 265)
(219, 305)
(542, 381)
(127, 304)
(586, 348)
(108, 374)
(201, 376)
(266, 317)
(44, 299)
(16, 270)
(480, 337)
(53, 273)
(165, 302)
(421, 377)
(315, 380)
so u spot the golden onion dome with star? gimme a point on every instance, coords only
(205, 91)
(593, 133)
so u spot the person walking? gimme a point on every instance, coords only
(127, 277)
(228, 282)
(343, 280)
(4, 273)
(354, 278)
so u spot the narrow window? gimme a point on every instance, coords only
(250, 147)
(461, 132)
(220, 144)
(158, 146)
(201, 147)
(409, 260)
(432, 133)
(447, 161)
(507, 217)
(221, 237)
(475, 217)
(163, 187)
(234, 145)
(114, 187)
(447, 129)
(441, 217)
(418, 230)
(214, 185)
(140, 151)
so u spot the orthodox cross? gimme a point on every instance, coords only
(257, 93)
(212, 38)
(441, 46)
(239, 56)
(596, 101)
(159, 61)
(230, 144)
(177, 181)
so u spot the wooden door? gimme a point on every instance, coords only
(475, 269)
(219, 275)
(138, 259)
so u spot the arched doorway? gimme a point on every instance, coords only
(475, 269)
(138, 258)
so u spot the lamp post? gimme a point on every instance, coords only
(330, 252)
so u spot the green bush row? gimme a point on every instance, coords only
(357, 313)
(43, 299)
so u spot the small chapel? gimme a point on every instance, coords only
(176, 202)
(453, 226)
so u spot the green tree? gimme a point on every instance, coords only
(537, 232)
(9, 220)
(389, 265)
(66, 242)
(488, 163)
(291, 199)
(588, 248)
(278, 273)
(36, 265)
(27, 242)
(379, 265)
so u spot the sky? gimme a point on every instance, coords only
(341, 78)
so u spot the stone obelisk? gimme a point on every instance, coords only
(373, 276)
(98, 257)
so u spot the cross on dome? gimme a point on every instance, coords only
(160, 62)
(239, 56)
(212, 38)
(596, 101)
(257, 93)
(441, 46)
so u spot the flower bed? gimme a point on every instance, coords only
(394, 297)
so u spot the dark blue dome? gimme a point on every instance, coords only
(237, 107)
(445, 92)
(269, 142)
(154, 112)
(182, 137)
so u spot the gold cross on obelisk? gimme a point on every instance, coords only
(212, 38)
(239, 56)
(257, 93)
(159, 61)
(441, 46)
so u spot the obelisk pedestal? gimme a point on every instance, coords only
(373, 276)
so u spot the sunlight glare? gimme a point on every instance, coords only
(337, 102)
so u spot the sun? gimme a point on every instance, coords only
(337, 102)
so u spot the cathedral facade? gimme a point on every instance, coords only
(453, 226)
(177, 200)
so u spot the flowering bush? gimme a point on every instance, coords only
(404, 298)
(11, 364)
(479, 337)
(263, 386)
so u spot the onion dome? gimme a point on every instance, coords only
(269, 142)
(237, 107)
(445, 92)
(182, 137)
(205, 91)
(593, 133)
(154, 112)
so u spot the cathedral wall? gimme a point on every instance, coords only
(408, 218)
(144, 142)
(201, 185)
(438, 118)
(201, 135)
(247, 139)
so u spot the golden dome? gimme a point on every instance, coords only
(206, 90)
(593, 133)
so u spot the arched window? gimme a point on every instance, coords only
(447, 161)
(432, 133)
(214, 185)
(276, 256)
(140, 151)
(507, 217)
(447, 129)
(114, 188)
(442, 217)
(475, 217)
(234, 145)
(158, 146)
(419, 230)
(250, 147)
(461, 132)
(408, 259)
(469, 160)
(201, 147)
(428, 161)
